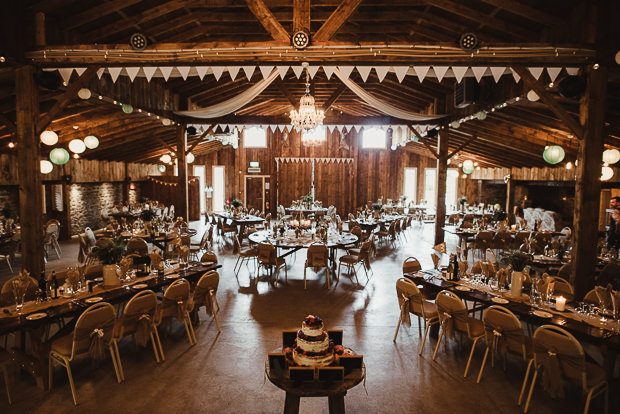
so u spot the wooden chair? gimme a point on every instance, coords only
(388, 235)
(267, 258)
(205, 294)
(453, 318)
(92, 334)
(411, 265)
(137, 245)
(175, 304)
(208, 256)
(557, 350)
(244, 255)
(318, 256)
(138, 320)
(206, 243)
(411, 300)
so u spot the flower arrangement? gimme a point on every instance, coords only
(307, 198)
(312, 320)
(236, 203)
(518, 260)
(110, 251)
(147, 214)
(462, 200)
(377, 206)
(499, 215)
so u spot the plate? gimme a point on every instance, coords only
(173, 276)
(139, 286)
(94, 299)
(463, 288)
(542, 314)
(36, 316)
(500, 300)
(98, 279)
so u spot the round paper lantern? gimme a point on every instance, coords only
(532, 96)
(77, 146)
(46, 167)
(606, 173)
(611, 156)
(481, 115)
(468, 166)
(553, 154)
(455, 124)
(127, 108)
(190, 158)
(166, 158)
(91, 142)
(161, 168)
(618, 58)
(84, 93)
(165, 121)
(49, 137)
(59, 156)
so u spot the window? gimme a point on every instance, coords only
(430, 183)
(218, 188)
(314, 136)
(411, 185)
(254, 137)
(373, 138)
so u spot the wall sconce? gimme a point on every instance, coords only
(132, 186)
(209, 191)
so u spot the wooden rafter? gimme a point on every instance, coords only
(268, 20)
(424, 141)
(333, 97)
(286, 93)
(199, 140)
(336, 20)
(301, 15)
(549, 100)
(530, 13)
(8, 124)
(165, 144)
(462, 146)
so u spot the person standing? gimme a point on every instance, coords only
(613, 237)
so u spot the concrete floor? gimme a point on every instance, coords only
(224, 372)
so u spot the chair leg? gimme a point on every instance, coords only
(6, 383)
(419, 326)
(527, 375)
(400, 319)
(49, 371)
(328, 276)
(154, 345)
(441, 334)
(191, 327)
(116, 361)
(484, 360)
(428, 325)
(161, 350)
(529, 395)
(68, 367)
(305, 269)
(471, 354)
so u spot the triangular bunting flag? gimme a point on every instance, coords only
(340, 127)
(364, 71)
(65, 73)
(421, 71)
(265, 71)
(478, 72)
(553, 73)
(515, 75)
(357, 128)
(401, 71)
(440, 72)
(249, 71)
(349, 128)
(459, 72)
(79, 71)
(149, 71)
(114, 72)
(233, 71)
(184, 71)
(329, 70)
(497, 72)
(298, 70)
(346, 71)
(572, 71)
(202, 71)
(281, 128)
(536, 72)
(165, 71)
(381, 72)
(289, 127)
(100, 72)
(331, 128)
(217, 71)
(282, 71)
(132, 72)
(312, 71)
(273, 127)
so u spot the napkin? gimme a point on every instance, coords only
(73, 276)
(155, 259)
(125, 265)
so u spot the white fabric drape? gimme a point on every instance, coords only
(232, 104)
(382, 105)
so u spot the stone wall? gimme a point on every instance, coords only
(9, 198)
(87, 201)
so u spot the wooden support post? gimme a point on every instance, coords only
(30, 194)
(182, 197)
(39, 29)
(126, 184)
(440, 185)
(509, 196)
(588, 184)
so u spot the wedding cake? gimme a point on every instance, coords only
(313, 347)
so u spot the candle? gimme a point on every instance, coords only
(514, 227)
(560, 303)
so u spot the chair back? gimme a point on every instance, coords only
(452, 313)
(490, 256)
(90, 237)
(205, 290)
(410, 296)
(93, 330)
(484, 267)
(502, 238)
(175, 300)
(6, 294)
(266, 253)
(165, 212)
(138, 316)
(209, 257)
(483, 237)
(602, 296)
(411, 265)
(171, 212)
(503, 331)
(137, 245)
(560, 287)
(357, 231)
(318, 255)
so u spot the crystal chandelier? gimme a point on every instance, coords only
(308, 117)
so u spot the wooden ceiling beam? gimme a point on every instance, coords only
(333, 97)
(94, 13)
(344, 10)
(520, 9)
(267, 19)
(301, 15)
(287, 94)
(462, 146)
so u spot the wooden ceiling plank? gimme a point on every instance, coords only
(336, 20)
(462, 146)
(530, 13)
(267, 19)
(94, 13)
(549, 100)
(301, 15)
(333, 97)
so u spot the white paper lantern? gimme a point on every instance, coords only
(77, 146)
(166, 158)
(455, 124)
(165, 121)
(190, 158)
(532, 96)
(606, 173)
(91, 142)
(611, 156)
(161, 168)
(618, 58)
(46, 167)
(468, 166)
(84, 93)
(481, 115)
(49, 137)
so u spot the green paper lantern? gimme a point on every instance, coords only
(468, 166)
(553, 154)
(59, 156)
(127, 108)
